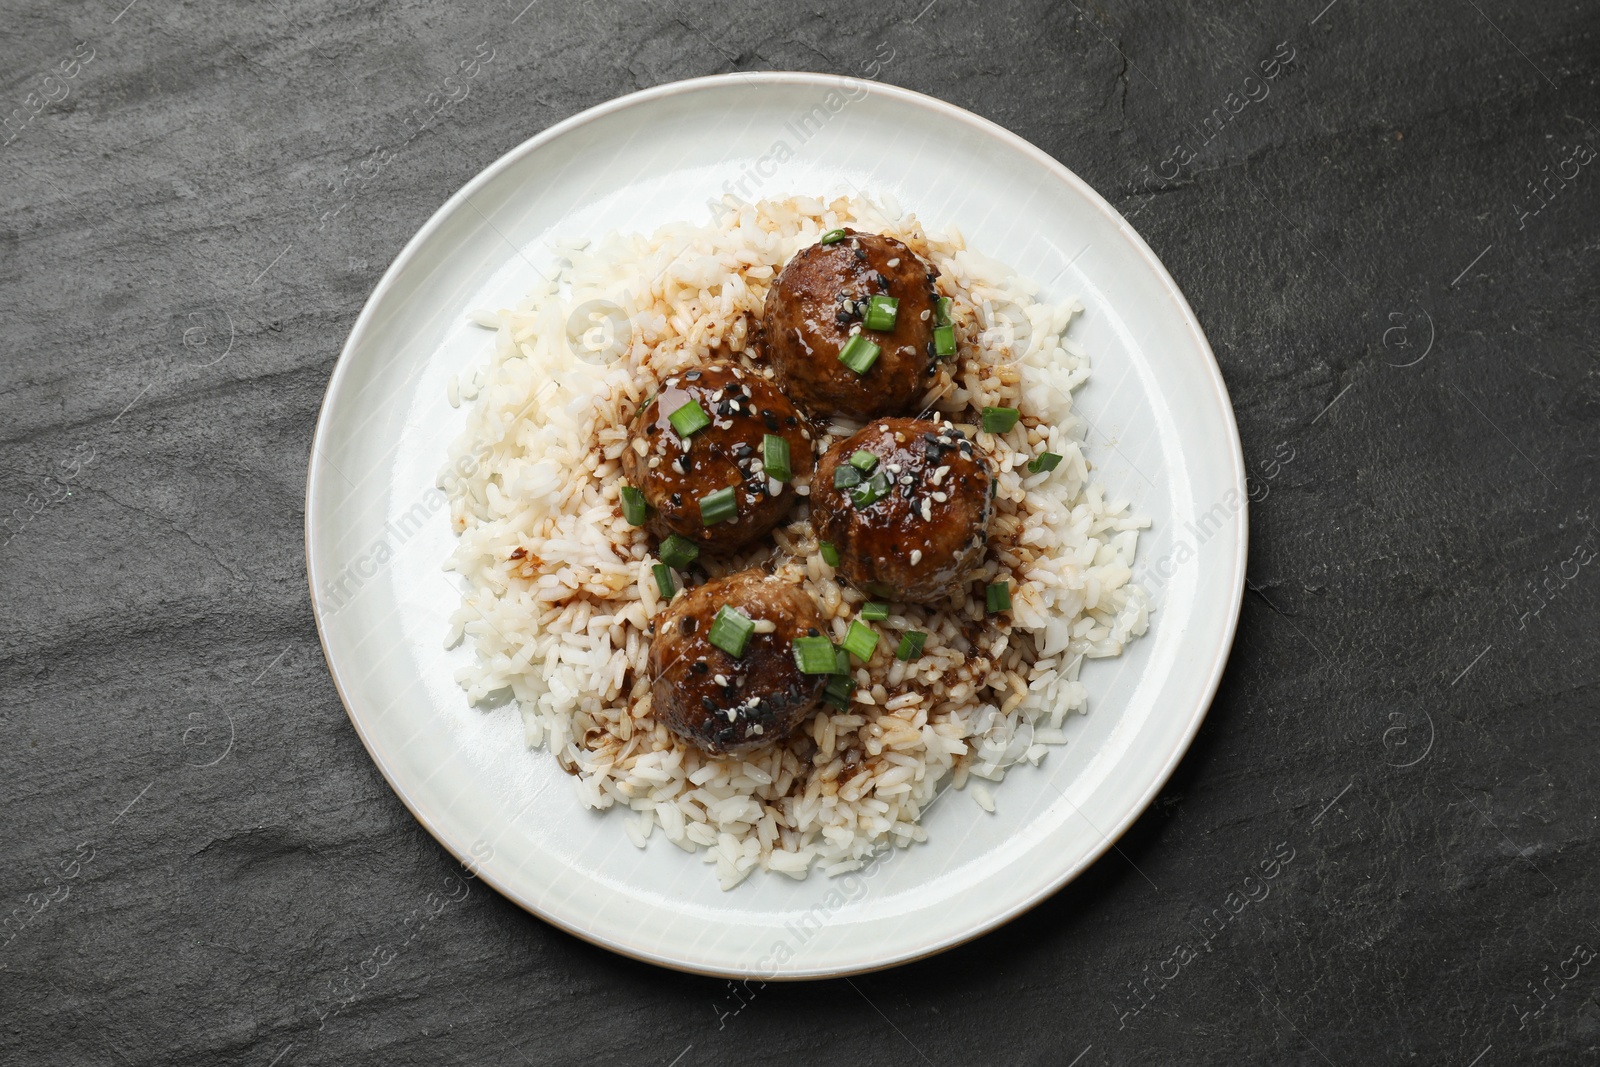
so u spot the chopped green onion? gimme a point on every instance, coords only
(871, 490)
(999, 420)
(1044, 461)
(859, 354)
(731, 630)
(841, 661)
(717, 507)
(911, 645)
(830, 555)
(840, 689)
(863, 461)
(944, 341)
(678, 552)
(941, 312)
(775, 457)
(881, 313)
(844, 476)
(861, 641)
(689, 419)
(998, 597)
(634, 509)
(832, 237)
(664, 580)
(873, 611)
(813, 655)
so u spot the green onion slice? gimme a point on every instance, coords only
(718, 507)
(844, 476)
(634, 509)
(863, 461)
(813, 655)
(881, 312)
(873, 611)
(840, 689)
(1044, 461)
(859, 354)
(944, 341)
(941, 312)
(678, 552)
(832, 237)
(861, 641)
(999, 420)
(998, 597)
(664, 580)
(830, 555)
(871, 490)
(689, 419)
(731, 630)
(775, 457)
(911, 645)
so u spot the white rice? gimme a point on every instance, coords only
(559, 591)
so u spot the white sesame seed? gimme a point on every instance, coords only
(774, 487)
(916, 556)
(720, 679)
(940, 497)
(655, 461)
(764, 626)
(641, 446)
(924, 315)
(895, 262)
(927, 510)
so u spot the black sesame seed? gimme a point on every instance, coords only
(709, 704)
(700, 666)
(743, 451)
(676, 500)
(790, 422)
(693, 376)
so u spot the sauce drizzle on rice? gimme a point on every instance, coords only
(560, 597)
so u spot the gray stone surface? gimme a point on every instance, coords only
(188, 230)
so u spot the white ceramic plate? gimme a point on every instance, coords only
(376, 533)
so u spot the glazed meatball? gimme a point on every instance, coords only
(724, 703)
(676, 472)
(822, 297)
(917, 522)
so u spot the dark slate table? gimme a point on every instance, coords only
(1384, 217)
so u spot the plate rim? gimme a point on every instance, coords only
(316, 469)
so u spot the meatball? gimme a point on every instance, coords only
(676, 472)
(821, 298)
(724, 703)
(918, 521)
